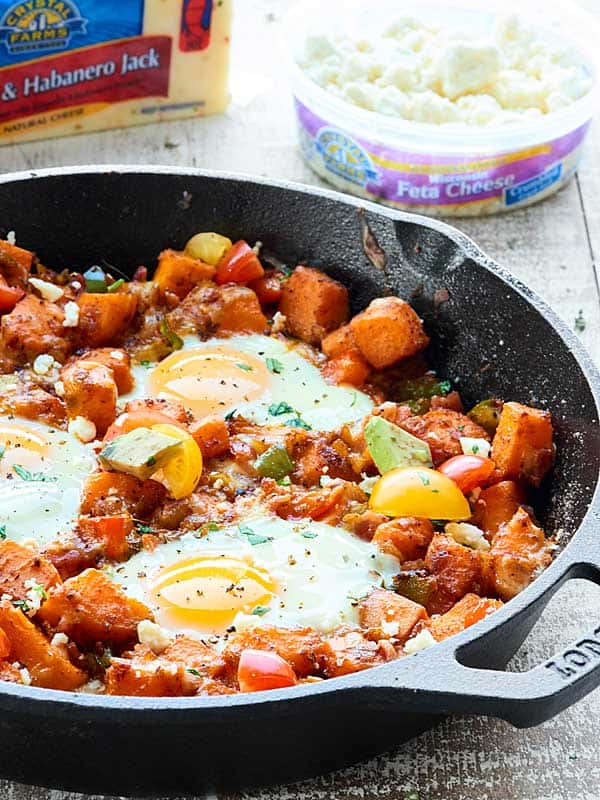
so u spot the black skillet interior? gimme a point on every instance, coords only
(492, 335)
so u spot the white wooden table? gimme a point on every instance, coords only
(553, 248)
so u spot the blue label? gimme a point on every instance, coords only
(533, 186)
(345, 157)
(35, 28)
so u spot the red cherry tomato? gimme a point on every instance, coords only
(262, 669)
(9, 296)
(138, 419)
(239, 264)
(267, 288)
(467, 472)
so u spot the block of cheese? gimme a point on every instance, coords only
(71, 66)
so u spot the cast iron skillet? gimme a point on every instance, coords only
(485, 326)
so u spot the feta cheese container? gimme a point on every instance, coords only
(455, 108)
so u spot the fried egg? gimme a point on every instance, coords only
(42, 470)
(266, 571)
(262, 378)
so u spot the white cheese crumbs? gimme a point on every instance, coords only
(48, 291)
(34, 596)
(421, 641)
(82, 428)
(25, 676)
(475, 447)
(157, 638)
(7, 597)
(59, 640)
(390, 628)
(469, 535)
(279, 323)
(325, 481)
(44, 364)
(71, 315)
(11, 237)
(441, 75)
(59, 388)
(76, 285)
(368, 483)
(119, 355)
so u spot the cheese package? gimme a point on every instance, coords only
(72, 66)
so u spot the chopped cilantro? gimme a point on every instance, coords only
(253, 538)
(424, 478)
(444, 387)
(245, 367)
(40, 590)
(144, 528)
(2, 531)
(151, 461)
(230, 415)
(146, 364)
(2, 452)
(309, 534)
(212, 526)
(277, 409)
(260, 611)
(116, 285)
(298, 423)
(580, 323)
(22, 604)
(26, 475)
(193, 672)
(172, 338)
(273, 365)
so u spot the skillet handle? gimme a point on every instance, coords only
(450, 679)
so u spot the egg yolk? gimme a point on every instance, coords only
(206, 592)
(209, 380)
(21, 446)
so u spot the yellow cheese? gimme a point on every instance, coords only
(71, 66)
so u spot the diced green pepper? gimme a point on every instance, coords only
(426, 386)
(487, 414)
(416, 587)
(274, 463)
(95, 280)
(175, 341)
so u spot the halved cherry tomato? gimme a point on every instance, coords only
(239, 264)
(418, 492)
(262, 669)
(267, 288)
(9, 296)
(181, 473)
(138, 419)
(467, 472)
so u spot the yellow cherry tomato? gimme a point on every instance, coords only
(208, 247)
(181, 473)
(418, 492)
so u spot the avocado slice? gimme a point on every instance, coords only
(392, 447)
(141, 452)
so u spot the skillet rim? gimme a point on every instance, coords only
(75, 706)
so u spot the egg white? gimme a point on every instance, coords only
(320, 571)
(300, 384)
(41, 509)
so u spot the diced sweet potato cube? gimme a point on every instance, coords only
(118, 361)
(154, 678)
(442, 430)
(469, 610)
(241, 311)
(313, 304)
(48, 665)
(170, 408)
(348, 652)
(496, 505)
(349, 367)
(387, 331)
(522, 446)
(519, 552)
(110, 532)
(90, 391)
(298, 646)
(211, 435)
(91, 608)
(21, 567)
(109, 493)
(178, 273)
(387, 615)
(406, 538)
(457, 568)
(10, 673)
(339, 341)
(35, 327)
(15, 264)
(105, 318)
(196, 655)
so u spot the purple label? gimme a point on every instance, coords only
(406, 178)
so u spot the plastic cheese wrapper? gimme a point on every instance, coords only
(72, 66)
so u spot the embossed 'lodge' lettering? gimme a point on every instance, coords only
(576, 659)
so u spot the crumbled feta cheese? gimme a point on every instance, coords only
(59, 388)
(368, 483)
(390, 628)
(475, 447)
(49, 291)
(59, 640)
(421, 641)
(84, 429)
(25, 676)
(423, 73)
(44, 364)
(157, 638)
(279, 323)
(34, 596)
(71, 315)
(469, 535)
(11, 237)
